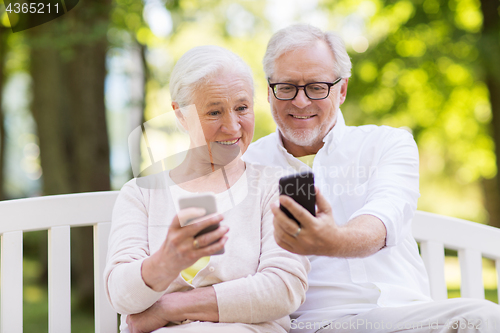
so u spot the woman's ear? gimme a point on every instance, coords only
(179, 115)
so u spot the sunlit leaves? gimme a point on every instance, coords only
(468, 15)
(390, 18)
(391, 72)
(367, 71)
(411, 48)
(431, 6)
(379, 102)
(421, 71)
(457, 74)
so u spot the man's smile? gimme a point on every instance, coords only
(303, 116)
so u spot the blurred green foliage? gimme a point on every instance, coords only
(422, 71)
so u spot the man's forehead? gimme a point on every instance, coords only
(294, 76)
(315, 62)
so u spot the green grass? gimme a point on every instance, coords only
(489, 294)
(35, 303)
(36, 314)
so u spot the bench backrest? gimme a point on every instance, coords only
(57, 214)
(471, 240)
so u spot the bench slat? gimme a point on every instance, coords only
(11, 316)
(105, 316)
(433, 257)
(59, 279)
(41, 213)
(471, 269)
(456, 233)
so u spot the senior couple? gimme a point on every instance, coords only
(362, 273)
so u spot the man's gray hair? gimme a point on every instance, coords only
(199, 65)
(298, 36)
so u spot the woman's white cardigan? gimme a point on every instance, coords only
(255, 281)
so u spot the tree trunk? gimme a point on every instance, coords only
(87, 73)
(4, 32)
(68, 69)
(491, 200)
(50, 108)
(490, 53)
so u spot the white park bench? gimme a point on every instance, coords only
(57, 214)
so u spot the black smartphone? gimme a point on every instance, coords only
(299, 187)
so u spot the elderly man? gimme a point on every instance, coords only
(367, 275)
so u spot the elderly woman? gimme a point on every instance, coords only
(255, 284)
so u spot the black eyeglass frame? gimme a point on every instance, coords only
(330, 85)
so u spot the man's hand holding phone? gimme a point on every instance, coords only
(316, 232)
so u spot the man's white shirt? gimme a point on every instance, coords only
(360, 170)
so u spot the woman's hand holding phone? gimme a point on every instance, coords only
(183, 246)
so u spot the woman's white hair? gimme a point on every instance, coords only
(298, 36)
(201, 64)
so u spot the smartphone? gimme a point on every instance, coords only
(201, 200)
(299, 187)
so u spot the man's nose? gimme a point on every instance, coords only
(301, 100)
(230, 123)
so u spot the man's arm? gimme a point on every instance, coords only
(381, 219)
(362, 236)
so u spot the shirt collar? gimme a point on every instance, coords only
(292, 161)
(331, 140)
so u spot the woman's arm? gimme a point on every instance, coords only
(196, 304)
(127, 249)
(134, 280)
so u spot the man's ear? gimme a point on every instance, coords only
(179, 115)
(269, 94)
(343, 90)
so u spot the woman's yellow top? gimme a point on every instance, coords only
(189, 273)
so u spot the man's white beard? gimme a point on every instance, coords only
(305, 137)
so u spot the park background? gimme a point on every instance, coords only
(73, 89)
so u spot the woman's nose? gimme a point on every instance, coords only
(230, 123)
(301, 100)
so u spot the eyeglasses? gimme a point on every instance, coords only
(313, 90)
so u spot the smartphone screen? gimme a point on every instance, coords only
(299, 187)
(201, 200)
